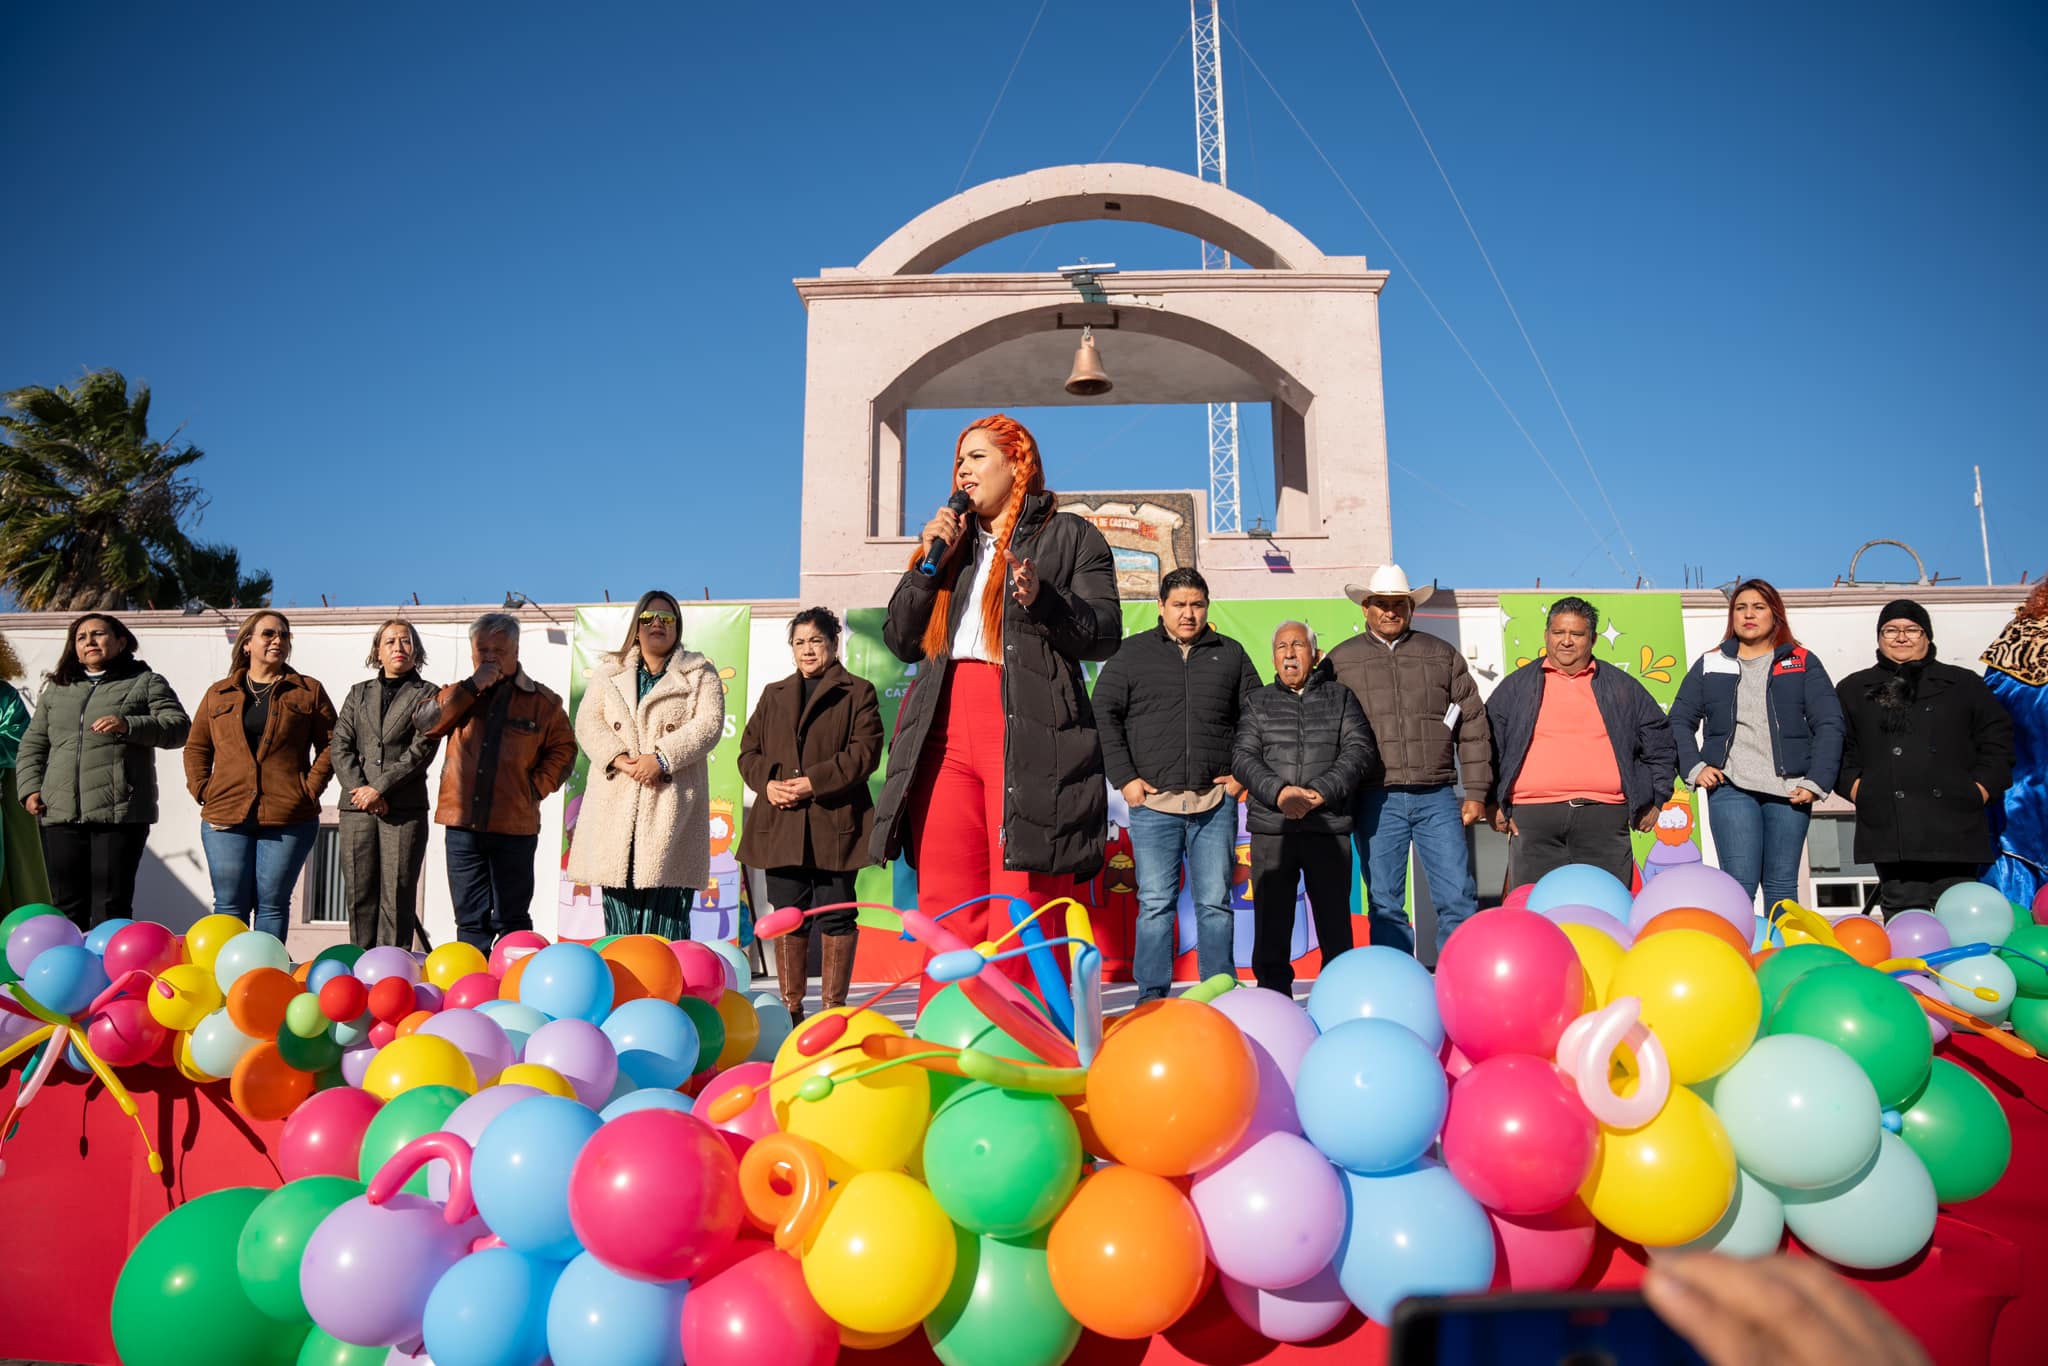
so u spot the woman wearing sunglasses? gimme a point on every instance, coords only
(650, 715)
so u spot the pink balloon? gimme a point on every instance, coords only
(1456, 1064)
(144, 946)
(1594, 918)
(1518, 899)
(324, 1136)
(1697, 885)
(470, 992)
(757, 1121)
(752, 1306)
(1298, 1314)
(1274, 1213)
(512, 947)
(1542, 1251)
(1516, 1137)
(655, 1195)
(704, 972)
(1508, 982)
(124, 1034)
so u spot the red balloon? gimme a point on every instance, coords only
(470, 992)
(1517, 1138)
(392, 999)
(1456, 1064)
(1542, 1251)
(1508, 982)
(324, 1136)
(751, 1306)
(123, 1034)
(344, 999)
(144, 946)
(655, 1195)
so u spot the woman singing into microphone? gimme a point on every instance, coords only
(995, 777)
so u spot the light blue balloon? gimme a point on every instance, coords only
(1581, 884)
(323, 971)
(520, 1174)
(1753, 1226)
(96, 938)
(1878, 1218)
(567, 982)
(1411, 1232)
(656, 1041)
(1987, 970)
(597, 1317)
(1800, 1112)
(1370, 1095)
(246, 952)
(65, 979)
(735, 958)
(1973, 913)
(775, 1026)
(491, 1309)
(647, 1098)
(518, 1021)
(1765, 935)
(1378, 983)
(217, 1045)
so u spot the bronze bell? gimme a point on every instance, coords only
(1088, 379)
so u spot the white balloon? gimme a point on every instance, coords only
(1986, 970)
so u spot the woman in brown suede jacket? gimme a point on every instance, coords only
(256, 762)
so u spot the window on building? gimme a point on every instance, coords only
(1840, 883)
(326, 900)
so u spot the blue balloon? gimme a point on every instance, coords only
(597, 1317)
(656, 1040)
(516, 1020)
(567, 982)
(520, 1174)
(646, 1098)
(1371, 1096)
(1377, 983)
(1581, 884)
(96, 938)
(324, 971)
(64, 979)
(491, 1309)
(1411, 1232)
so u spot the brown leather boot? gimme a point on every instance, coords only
(792, 971)
(836, 970)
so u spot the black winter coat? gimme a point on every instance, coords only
(1171, 719)
(1919, 765)
(1317, 738)
(1055, 807)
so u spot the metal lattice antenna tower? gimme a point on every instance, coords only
(1212, 163)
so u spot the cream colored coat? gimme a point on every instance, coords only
(661, 836)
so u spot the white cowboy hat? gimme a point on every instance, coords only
(1389, 581)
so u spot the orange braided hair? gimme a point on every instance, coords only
(1021, 449)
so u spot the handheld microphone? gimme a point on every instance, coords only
(959, 503)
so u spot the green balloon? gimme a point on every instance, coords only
(2021, 915)
(598, 945)
(710, 1031)
(1001, 1162)
(316, 1054)
(1788, 965)
(2028, 959)
(953, 1020)
(1960, 1131)
(179, 1301)
(302, 1015)
(344, 954)
(1869, 1016)
(274, 1239)
(15, 917)
(1000, 1309)
(324, 1349)
(422, 1110)
(2029, 1019)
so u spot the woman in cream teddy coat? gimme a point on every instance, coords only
(649, 718)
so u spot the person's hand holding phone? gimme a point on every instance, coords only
(1789, 1310)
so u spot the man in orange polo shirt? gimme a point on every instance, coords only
(1581, 753)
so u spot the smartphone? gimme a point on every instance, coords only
(1591, 1328)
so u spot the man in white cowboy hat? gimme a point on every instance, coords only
(1437, 752)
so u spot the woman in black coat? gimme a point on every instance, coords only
(995, 777)
(1928, 751)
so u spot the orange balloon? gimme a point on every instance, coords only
(1692, 918)
(1126, 1254)
(508, 985)
(643, 965)
(257, 1001)
(411, 1023)
(299, 972)
(1171, 1088)
(1757, 959)
(1864, 940)
(265, 1086)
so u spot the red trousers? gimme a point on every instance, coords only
(956, 823)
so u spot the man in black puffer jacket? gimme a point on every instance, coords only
(1168, 704)
(1303, 750)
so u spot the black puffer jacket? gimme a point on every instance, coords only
(1167, 718)
(1919, 747)
(1316, 738)
(1055, 807)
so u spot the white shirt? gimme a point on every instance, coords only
(969, 641)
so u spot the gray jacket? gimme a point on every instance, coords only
(85, 776)
(378, 747)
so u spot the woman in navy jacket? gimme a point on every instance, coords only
(1773, 741)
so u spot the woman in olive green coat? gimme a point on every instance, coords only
(87, 771)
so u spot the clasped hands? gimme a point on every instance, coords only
(643, 769)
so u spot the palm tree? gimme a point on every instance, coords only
(210, 573)
(90, 506)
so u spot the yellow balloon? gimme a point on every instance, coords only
(1669, 1181)
(418, 1060)
(204, 939)
(871, 1125)
(881, 1254)
(742, 1029)
(1699, 997)
(453, 961)
(1598, 953)
(854, 1340)
(194, 996)
(537, 1076)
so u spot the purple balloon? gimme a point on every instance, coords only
(368, 1269)
(34, 935)
(386, 961)
(355, 1062)
(1696, 885)
(1915, 934)
(1274, 1214)
(468, 1122)
(480, 1039)
(1926, 986)
(1279, 1032)
(427, 996)
(582, 1053)
(13, 1026)
(1299, 1314)
(1593, 918)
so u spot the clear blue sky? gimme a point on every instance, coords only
(464, 297)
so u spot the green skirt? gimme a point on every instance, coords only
(649, 910)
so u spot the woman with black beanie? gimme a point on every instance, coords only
(1929, 750)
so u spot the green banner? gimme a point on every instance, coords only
(722, 634)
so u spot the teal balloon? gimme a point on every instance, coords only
(2029, 1020)
(1985, 972)
(1869, 1016)
(179, 1300)
(403, 1118)
(274, 1241)
(953, 1020)
(1000, 1309)
(1957, 1127)
(1878, 1218)
(1754, 1225)
(322, 1348)
(1775, 976)
(710, 1031)
(1974, 914)
(1799, 1111)
(2027, 956)
(999, 1162)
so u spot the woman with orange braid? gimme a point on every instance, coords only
(995, 775)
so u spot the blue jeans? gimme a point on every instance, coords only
(1387, 821)
(254, 868)
(1159, 842)
(1757, 838)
